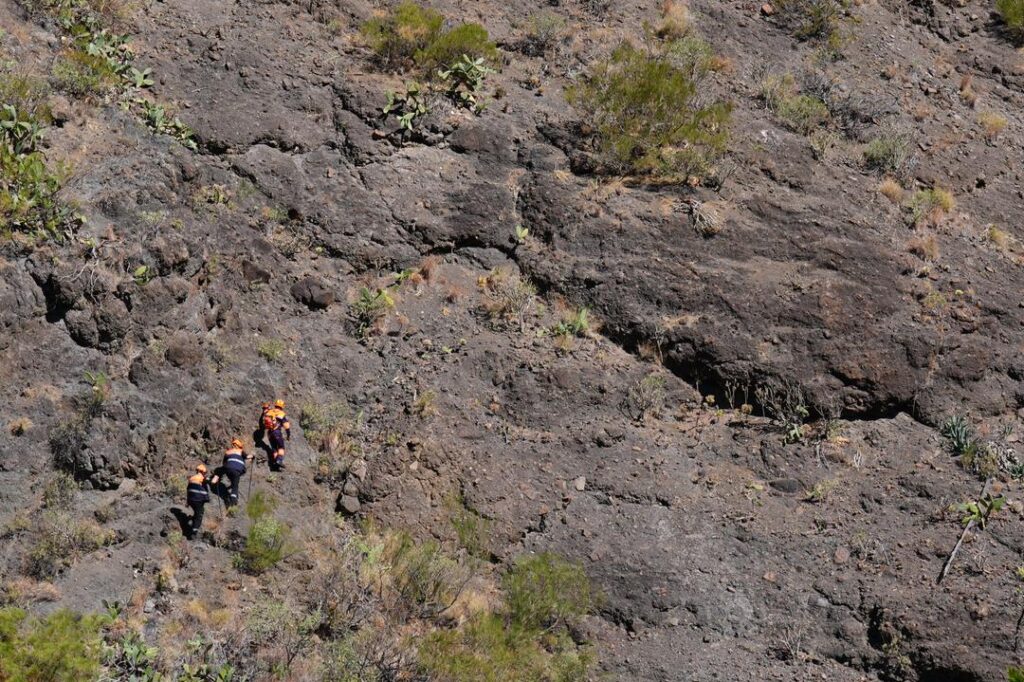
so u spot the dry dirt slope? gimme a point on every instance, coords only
(696, 525)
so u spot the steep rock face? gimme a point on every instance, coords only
(696, 525)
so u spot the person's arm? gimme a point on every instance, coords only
(288, 429)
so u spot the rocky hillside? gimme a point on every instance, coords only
(576, 393)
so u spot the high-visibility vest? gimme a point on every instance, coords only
(197, 488)
(234, 458)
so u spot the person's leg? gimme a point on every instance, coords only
(197, 516)
(277, 443)
(233, 476)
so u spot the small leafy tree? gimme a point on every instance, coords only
(61, 646)
(648, 116)
(268, 540)
(1012, 12)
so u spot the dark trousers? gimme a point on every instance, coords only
(233, 476)
(277, 445)
(197, 517)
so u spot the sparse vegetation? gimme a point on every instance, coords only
(61, 539)
(268, 541)
(370, 309)
(60, 491)
(415, 36)
(645, 397)
(463, 79)
(992, 124)
(543, 32)
(576, 323)
(890, 153)
(891, 190)
(979, 511)
(706, 217)
(271, 350)
(19, 426)
(472, 529)
(821, 490)
(1012, 12)
(801, 113)
(408, 106)
(424, 404)
(528, 640)
(930, 206)
(784, 404)
(510, 297)
(813, 19)
(650, 116)
(29, 202)
(59, 647)
(331, 429)
(157, 119)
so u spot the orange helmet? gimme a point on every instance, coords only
(266, 406)
(201, 468)
(279, 404)
(235, 442)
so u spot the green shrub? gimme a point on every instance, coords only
(271, 350)
(157, 119)
(408, 107)
(60, 491)
(812, 18)
(425, 579)
(890, 152)
(543, 31)
(61, 647)
(931, 205)
(528, 640)
(1012, 12)
(27, 95)
(60, 540)
(464, 40)
(472, 529)
(691, 54)
(370, 308)
(28, 188)
(329, 427)
(412, 35)
(397, 37)
(486, 649)
(268, 540)
(803, 113)
(67, 440)
(544, 590)
(800, 113)
(81, 74)
(648, 115)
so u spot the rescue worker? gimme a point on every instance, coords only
(275, 421)
(235, 461)
(263, 416)
(198, 494)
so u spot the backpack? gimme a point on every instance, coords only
(270, 420)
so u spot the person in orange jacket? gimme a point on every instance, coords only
(197, 495)
(234, 467)
(276, 423)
